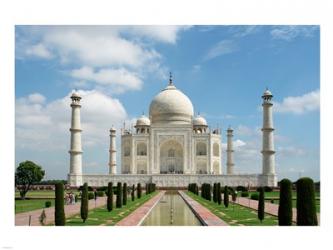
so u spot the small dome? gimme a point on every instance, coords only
(199, 121)
(171, 106)
(143, 121)
(75, 94)
(267, 93)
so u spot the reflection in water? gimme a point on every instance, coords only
(171, 210)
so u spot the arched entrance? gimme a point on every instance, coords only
(171, 158)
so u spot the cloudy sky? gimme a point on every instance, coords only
(119, 69)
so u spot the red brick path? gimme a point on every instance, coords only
(204, 214)
(22, 219)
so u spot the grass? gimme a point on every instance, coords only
(235, 215)
(102, 217)
(30, 205)
(43, 193)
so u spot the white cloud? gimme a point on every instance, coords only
(39, 50)
(120, 79)
(36, 98)
(162, 33)
(244, 30)
(289, 33)
(290, 151)
(45, 127)
(221, 48)
(299, 104)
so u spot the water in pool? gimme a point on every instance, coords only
(171, 210)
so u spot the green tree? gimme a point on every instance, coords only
(306, 203)
(285, 212)
(214, 192)
(218, 191)
(84, 202)
(119, 194)
(125, 194)
(59, 211)
(110, 196)
(261, 204)
(139, 191)
(226, 196)
(132, 192)
(27, 173)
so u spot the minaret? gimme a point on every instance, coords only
(112, 151)
(268, 157)
(76, 148)
(230, 152)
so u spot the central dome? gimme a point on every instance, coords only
(171, 106)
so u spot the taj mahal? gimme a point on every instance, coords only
(172, 147)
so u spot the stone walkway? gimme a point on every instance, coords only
(270, 208)
(22, 219)
(138, 215)
(206, 217)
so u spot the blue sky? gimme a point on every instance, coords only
(119, 69)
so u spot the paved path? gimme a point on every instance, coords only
(269, 207)
(138, 215)
(205, 215)
(22, 219)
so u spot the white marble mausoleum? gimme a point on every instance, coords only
(172, 147)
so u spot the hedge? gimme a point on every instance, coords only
(110, 196)
(59, 211)
(84, 202)
(285, 212)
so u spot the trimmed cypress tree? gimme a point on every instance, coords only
(119, 194)
(214, 193)
(132, 192)
(285, 213)
(110, 196)
(306, 203)
(84, 202)
(261, 204)
(59, 211)
(139, 191)
(226, 196)
(125, 194)
(219, 197)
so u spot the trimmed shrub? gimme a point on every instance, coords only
(226, 196)
(104, 189)
(245, 194)
(261, 204)
(241, 188)
(84, 202)
(132, 192)
(285, 212)
(266, 189)
(219, 195)
(48, 204)
(110, 196)
(100, 193)
(59, 211)
(215, 192)
(119, 194)
(306, 203)
(125, 194)
(91, 196)
(272, 201)
(254, 196)
(139, 191)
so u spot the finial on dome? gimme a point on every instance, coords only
(170, 78)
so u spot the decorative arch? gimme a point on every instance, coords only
(201, 167)
(216, 167)
(216, 149)
(127, 150)
(201, 148)
(141, 168)
(171, 157)
(141, 149)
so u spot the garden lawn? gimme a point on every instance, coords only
(101, 216)
(235, 215)
(29, 205)
(43, 193)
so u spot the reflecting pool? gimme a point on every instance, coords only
(171, 210)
